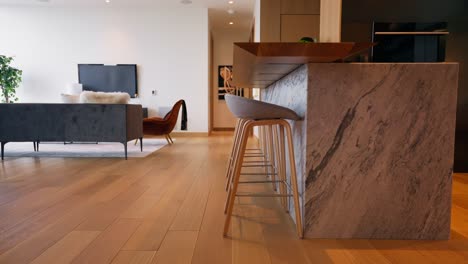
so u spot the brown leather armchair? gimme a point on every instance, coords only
(157, 126)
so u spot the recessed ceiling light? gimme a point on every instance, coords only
(231, 11)
(231, 23)
(231, 2)
(107, 1)
(186, 2)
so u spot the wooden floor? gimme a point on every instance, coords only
(168, 208)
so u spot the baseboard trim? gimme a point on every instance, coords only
(189, 134)
(223, 129)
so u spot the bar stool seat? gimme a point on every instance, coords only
(272, 119)
(244, 108)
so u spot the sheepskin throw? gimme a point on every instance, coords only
(104, 98)
(70, 98)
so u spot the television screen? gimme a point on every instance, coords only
(109, 78)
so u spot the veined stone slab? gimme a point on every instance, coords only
(375, 149)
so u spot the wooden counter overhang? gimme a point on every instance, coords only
(258, 65)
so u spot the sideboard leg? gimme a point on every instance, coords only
(34, 144)
(3, 149)
(141, 144)
(125, 148)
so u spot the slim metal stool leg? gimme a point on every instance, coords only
(260, 134)
(271, 156)
(265, 143)
(263, 146)
(267, 147)
(280, 166)
(282, 151)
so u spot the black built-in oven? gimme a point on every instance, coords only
(409, 42)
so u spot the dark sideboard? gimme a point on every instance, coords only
(70, 122)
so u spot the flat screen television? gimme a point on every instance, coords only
(109, 78)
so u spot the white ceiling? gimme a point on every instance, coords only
(219, 17)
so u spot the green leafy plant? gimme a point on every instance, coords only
(307, 40)
(10, 79)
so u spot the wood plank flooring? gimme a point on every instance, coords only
(168, 208)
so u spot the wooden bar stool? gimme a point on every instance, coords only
(274, 127)
(260, 152)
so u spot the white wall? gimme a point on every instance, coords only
(170, 47)
(223, 50)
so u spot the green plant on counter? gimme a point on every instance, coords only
(10, 79)
(307, 40)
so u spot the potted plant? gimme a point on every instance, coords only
(308, 40)
(10, 79)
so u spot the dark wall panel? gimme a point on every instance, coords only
(357, 26)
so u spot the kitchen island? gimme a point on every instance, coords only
(374, 151)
